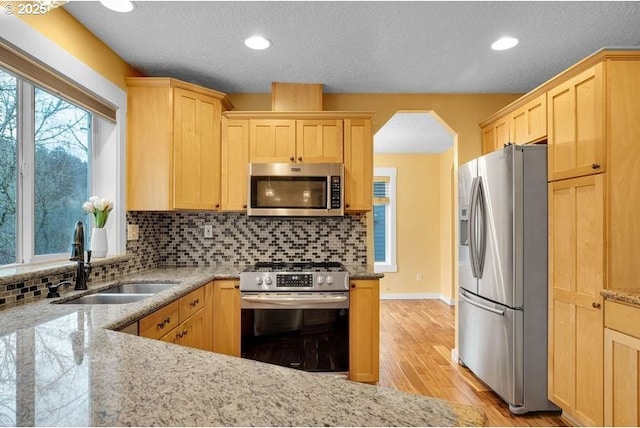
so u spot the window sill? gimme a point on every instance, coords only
(383, 268)
(24, 272)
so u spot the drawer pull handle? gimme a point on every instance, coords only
(164, 322)
(595, 165)
(195, 303)
(596, 305)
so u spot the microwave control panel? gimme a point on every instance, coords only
(336, 192)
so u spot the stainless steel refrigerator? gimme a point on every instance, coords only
(502, 296)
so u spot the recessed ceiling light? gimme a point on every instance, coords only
(257, 43)
(118, 5)
(504, 43)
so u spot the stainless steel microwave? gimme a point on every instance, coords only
(296, 189)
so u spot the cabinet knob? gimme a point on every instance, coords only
(353, 285)
(217, 205)
(292, 158)
(596, 305)
(347, 205)
(595, 165)
(244, 206)
(236, 286)
(299, 158)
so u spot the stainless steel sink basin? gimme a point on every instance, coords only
(138, 288)
(107, 299)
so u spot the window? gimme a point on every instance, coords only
(44, 170)
(384, 220)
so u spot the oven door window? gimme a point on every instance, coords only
(314, 340)
(289, 192)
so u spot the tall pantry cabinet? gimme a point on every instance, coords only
(594, 174)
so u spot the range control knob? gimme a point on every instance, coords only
(258, 280)
(267, 280)
(320, 280)
(329, 280)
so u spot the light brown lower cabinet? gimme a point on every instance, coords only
(226, 317)
(621, 365)
(364, 330)
(181, 322)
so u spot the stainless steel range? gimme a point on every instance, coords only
(296, 315)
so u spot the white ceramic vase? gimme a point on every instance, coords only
(99, 245)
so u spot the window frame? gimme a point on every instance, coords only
(390, 264)
(108, 177)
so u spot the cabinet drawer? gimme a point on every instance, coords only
(191, 303)
(160, 322)
(623, 318)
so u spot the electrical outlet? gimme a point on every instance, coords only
(133, 232)
(419, 277)
(208, 231)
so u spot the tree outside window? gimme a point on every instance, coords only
(53, 158)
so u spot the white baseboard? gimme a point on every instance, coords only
(454, 355)
(416, 296)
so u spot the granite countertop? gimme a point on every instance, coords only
(63, 365)
(624, 295)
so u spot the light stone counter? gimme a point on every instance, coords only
(62, 365)
(623, 295)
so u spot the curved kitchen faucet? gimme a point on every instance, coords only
(77, 255)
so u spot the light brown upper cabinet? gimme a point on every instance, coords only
(576, 125)
(173, 145)
(235, 164)
(282, 140)
(526, 124)
(314, 137)
(358, 165)
(495, 135)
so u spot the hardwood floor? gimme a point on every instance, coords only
(416, 338)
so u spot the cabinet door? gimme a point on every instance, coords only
(235, 162)
(358, 165)
(495, 135)
(488, 139)
(364, 331)
(319, 141)
(226, 317)
(191, 333)
(149, 148)
(529, 122)
(576, 126)
(196, 151)
(576, 276)
(272, 140)
(622, 379)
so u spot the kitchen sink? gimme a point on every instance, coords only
(128, 292)
(107, 299)
(138, 288)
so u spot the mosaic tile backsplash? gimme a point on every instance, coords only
(177, 239)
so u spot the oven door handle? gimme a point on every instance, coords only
(292, 301)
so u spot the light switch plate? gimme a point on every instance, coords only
(208, 231)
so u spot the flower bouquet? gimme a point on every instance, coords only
(100, 208)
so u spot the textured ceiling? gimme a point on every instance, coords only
(414, 47)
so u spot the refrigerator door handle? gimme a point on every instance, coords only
(473, 211)
(482, 223)
(480, 305)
